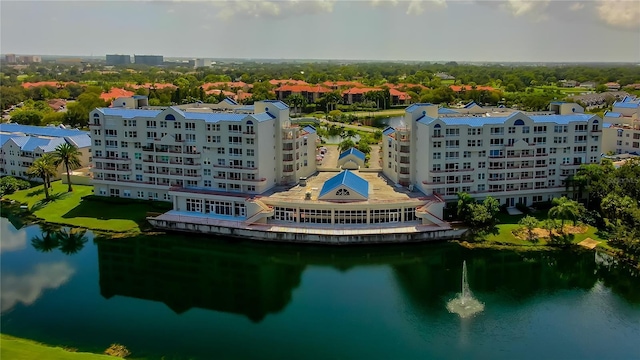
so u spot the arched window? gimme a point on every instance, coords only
(249, 122)
(519, 122)
(96, 115)
(596, 122)
(169, 117)
(342, 192)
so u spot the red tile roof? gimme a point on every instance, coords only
(244, 95)
(47, 83)
(57, 104)
(116, 93)
(288, 82)
(400, 94)
(355, 91)
(151, 86)
(218, 91)
(303, 88)
(458, 88)
(343, 84)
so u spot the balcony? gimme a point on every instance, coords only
(433, 183)
(114, 159)
(255, 180)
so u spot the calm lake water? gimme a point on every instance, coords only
(206, 298)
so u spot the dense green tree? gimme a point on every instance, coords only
(565, 209)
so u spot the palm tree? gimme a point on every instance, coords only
(529, 223)
(48, 158)
(72, 241)
(564, 209)
(68, 155)
(549, 225)
(44, 169)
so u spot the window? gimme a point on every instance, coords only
(525, 129)
(213, 127)
(342, 192)
(250, 141)
(512, 129)
(250, 152)
(235, 128)
(190, 138)
(482, 165)
(97, 142)
(191, 126)
(177, 125)
(151, 124)
(207, 183)
(137, 156)
(436, 155)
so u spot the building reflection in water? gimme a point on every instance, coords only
(185, 273)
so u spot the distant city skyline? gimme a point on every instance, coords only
(418, 30)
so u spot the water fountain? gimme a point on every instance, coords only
(465, 305)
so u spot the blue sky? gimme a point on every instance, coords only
(437, 30)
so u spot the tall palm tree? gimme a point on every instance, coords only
(48, 158)
(565, 209)
(44, 169)
(68, 155)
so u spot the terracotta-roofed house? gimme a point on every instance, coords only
(310, 92)
(57, 104)
(355, 95)
(280, 82)
(115, 93)
(335, 85)
(55, 84)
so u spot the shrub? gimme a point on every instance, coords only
(9, 185)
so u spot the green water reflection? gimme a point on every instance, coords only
(192, 297)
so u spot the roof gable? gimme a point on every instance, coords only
(349, 180)
(353, 151)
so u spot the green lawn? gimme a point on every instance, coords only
(17, 349)
(508, 223)
(69, 209)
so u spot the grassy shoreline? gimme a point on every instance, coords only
(17, 348)
(77, 209)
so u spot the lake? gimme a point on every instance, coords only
(185, 297)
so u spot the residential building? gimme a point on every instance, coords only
(622, 127)
(310, 92)
(612, 86)
(118, 59)
(356, 95)
(152, 60)
(10, 58)
(149, 153)
(21, 145)
(588, 85)
(510, 155)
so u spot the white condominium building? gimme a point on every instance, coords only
(154, 153)
(21, 145)
(512, 156)
(622, 127)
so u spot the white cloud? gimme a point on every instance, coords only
(417, 7)
(271, 8)
(527, 7)
(622, 14)
(27, 288)
(12, 240)
(576, 6)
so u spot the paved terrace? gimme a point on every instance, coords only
(380, 190)
(309, 229)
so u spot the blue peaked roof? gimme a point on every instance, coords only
(40, 130)
(499, 120)
(388, 131)
(612, 114)
(80, 141)
(278, 104)
(411, 108)
(310, 129)
(627, 104)
(230, 101)
(207, 117)
(353, 151)
(348, 179)
(444, 111)
(472, 103)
